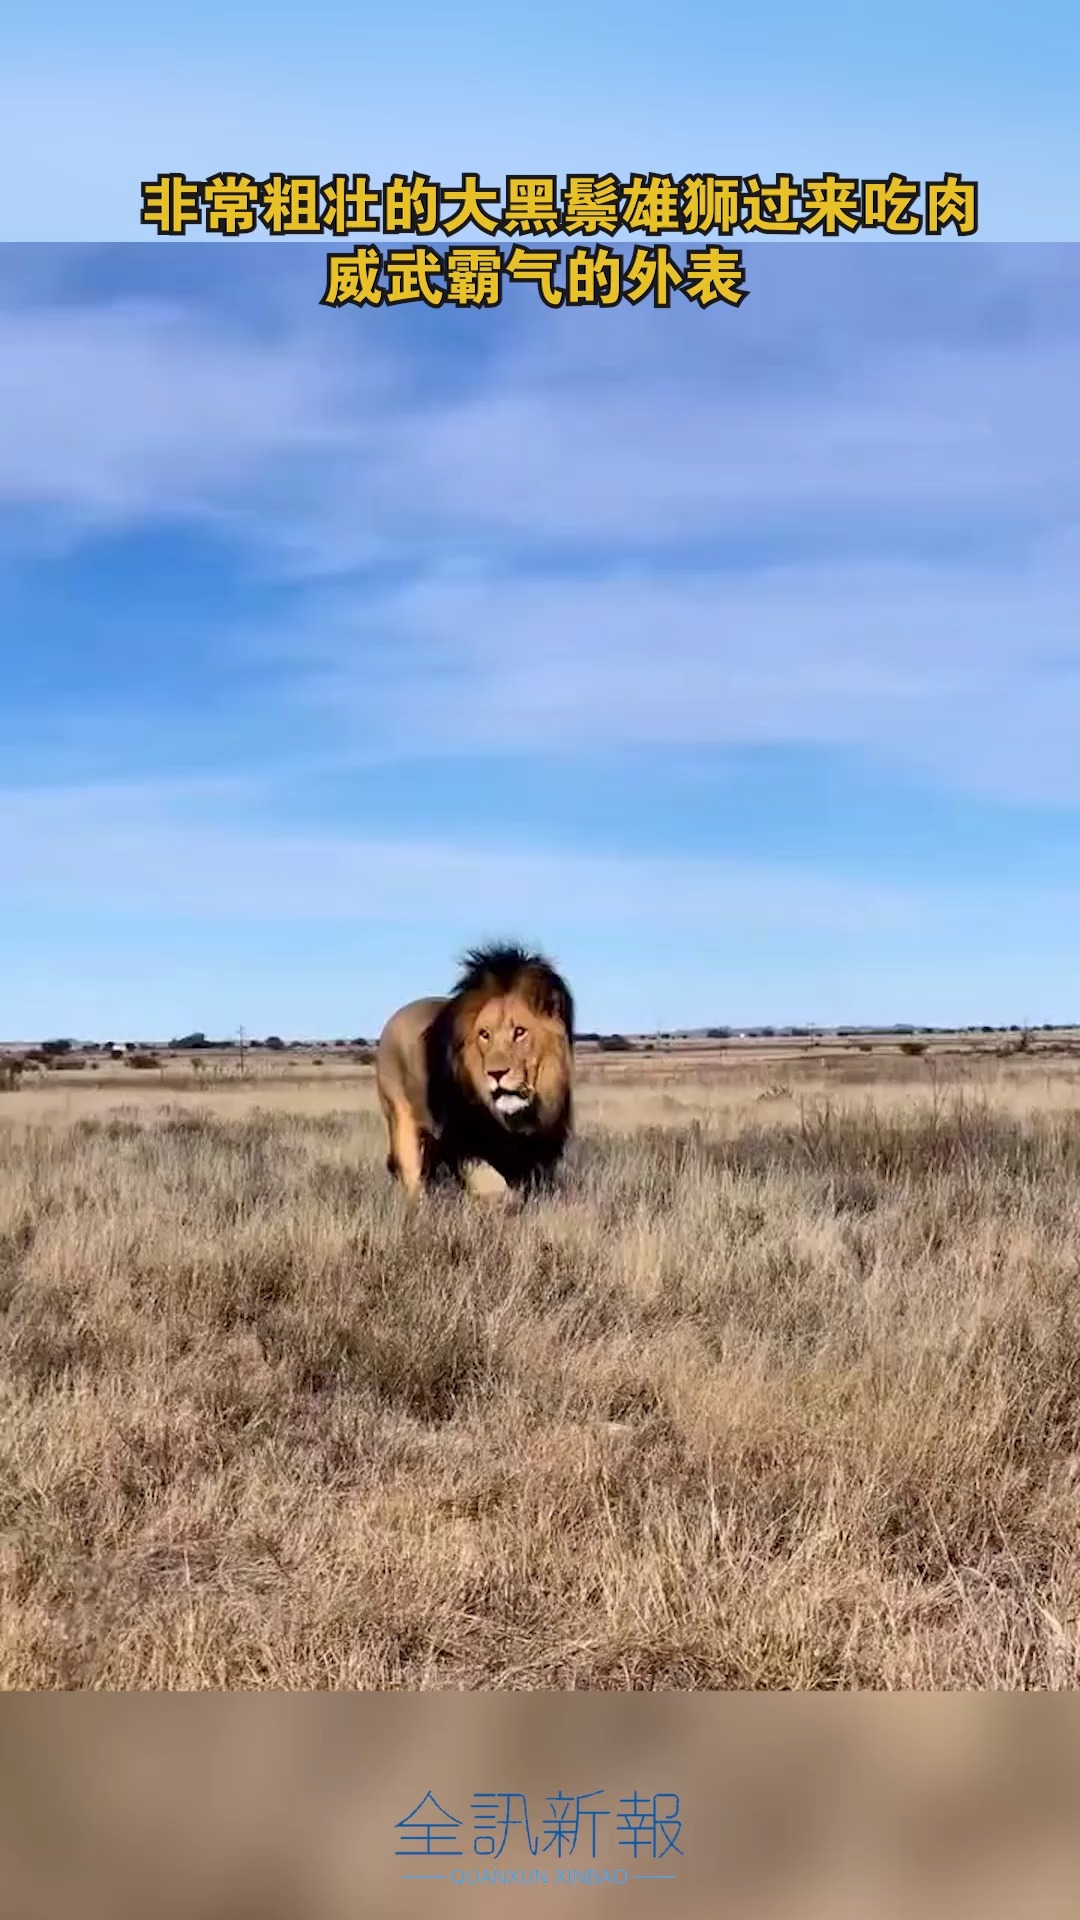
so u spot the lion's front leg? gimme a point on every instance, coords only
(406, 1150)
(483, 1182)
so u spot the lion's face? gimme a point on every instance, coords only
(513, 1057)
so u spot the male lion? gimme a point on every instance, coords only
(479, 1086)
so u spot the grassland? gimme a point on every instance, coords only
(782, 1390)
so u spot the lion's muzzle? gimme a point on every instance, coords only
(508, 1101)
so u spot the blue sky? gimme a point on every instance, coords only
(97, 99)
(734, 657)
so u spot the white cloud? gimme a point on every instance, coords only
(969, 672)
(662, 455)
(136, 411)
(923, 497)
(196, 852)
(617, 431)
(152, 910)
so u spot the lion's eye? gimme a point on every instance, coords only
(519, 1033)
(483, 1034)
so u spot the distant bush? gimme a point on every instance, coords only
(143, 1060)
(363, 1056)
(615, 1043)
(913, 1046)
(275, 1043)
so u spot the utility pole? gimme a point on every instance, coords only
(243, 1037)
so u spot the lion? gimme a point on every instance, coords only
(477, 1087)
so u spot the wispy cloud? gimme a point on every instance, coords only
(118, 414)
(153, 909)
(966, 672)
(861, 537)
(198, 851)
(597, 433)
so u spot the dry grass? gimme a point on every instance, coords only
(781, 1391)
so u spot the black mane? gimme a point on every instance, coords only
(502, 967)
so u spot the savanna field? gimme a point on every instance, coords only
(780, 1390)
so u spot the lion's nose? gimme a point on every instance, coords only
(497, 1073)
